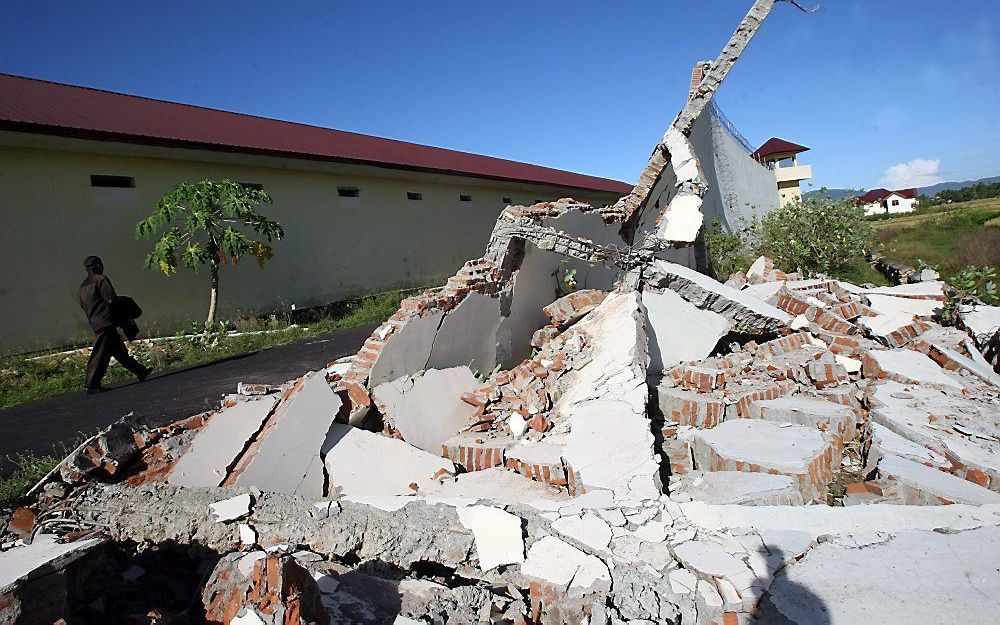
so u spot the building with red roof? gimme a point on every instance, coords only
(878, 201)
(361, 213)
(782, 158)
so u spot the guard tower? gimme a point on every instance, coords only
(781, 157)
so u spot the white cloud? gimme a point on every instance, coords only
(920, 172)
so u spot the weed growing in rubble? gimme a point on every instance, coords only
(971, 286)
(816, 235)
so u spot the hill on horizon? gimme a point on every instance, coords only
(931, 190)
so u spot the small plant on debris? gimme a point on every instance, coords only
(212, 222)
(973, 285)
(565, 279)
(816, 235)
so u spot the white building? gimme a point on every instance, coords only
(880, 201)
(79, 167)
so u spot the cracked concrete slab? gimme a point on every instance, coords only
(289, 458)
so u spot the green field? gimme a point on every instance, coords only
(950, 236)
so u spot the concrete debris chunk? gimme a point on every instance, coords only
(231, 509)
(908, 366)
(982, 322)
(499, 538)
(564, 566)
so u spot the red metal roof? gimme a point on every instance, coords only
(32, 105)
(775, 145)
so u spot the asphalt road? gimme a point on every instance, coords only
(163, 398)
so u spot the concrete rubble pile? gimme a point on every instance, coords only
(652, 447)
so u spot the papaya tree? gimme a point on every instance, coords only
(209, 222)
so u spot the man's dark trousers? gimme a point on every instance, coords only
(109, 343)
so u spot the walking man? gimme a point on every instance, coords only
(96, 296)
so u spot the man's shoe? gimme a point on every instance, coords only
(145, 374)
(95, 390)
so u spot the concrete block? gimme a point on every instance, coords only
(360, 462)
(678, 331)
(801, 452)
(231, 509)
(219, 443)
(427, 408)
(736, 487)
(687, 407)
(883, 441)
(289, 455)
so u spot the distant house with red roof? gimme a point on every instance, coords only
(361, 214)
(782, 158)
(879, 201)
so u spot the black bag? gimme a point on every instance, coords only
(124, 312)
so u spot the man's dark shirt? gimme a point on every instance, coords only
(95, 294)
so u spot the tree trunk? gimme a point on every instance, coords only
(214, 299)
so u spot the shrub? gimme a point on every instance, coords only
(728, 252)
(816, 235)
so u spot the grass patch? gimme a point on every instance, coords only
(28, 470)
(23, 379)
(950, 239)
(860, 272)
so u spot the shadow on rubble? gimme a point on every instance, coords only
(786, 602)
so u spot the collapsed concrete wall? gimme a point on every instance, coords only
(657, 447)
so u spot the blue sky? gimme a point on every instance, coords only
(885, 92)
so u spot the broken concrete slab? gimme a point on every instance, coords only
(588, 529)
(882, 441)
(981, 322)
(407, 349)
(217, 446)
(801, 452)
(917, 290)
(840, 582)
(499, 538)
(288, 454)
(427, 408)
(678, 331)
(917, 485)
(965, 431)
(826, 416)
(746, 313)
(892, 305)
(353, 453)
(907, 366)
(467, 335)
(611, 388)
(736, 487)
